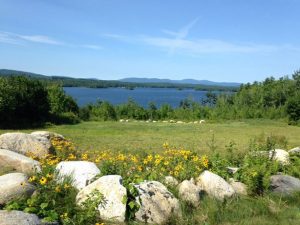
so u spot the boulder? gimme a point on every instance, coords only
(47, 134)
(171, 181)
(25, 144)
(284, 184)
(157, 204)
(13, 186)
(21, 218)
(190, 192)
(18, 162)
(18, 218)
(239, 187)
(82, 172)
(294, 151)
(280, 156)
(214, 185)
(113, 208)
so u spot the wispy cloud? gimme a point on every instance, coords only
(180, 35)
(205, 46)
(40, 39)
(8, 38)
(13, 38)
(94, 47)
(19, 39)
(178, 42)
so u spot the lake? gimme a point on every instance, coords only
(142, 96)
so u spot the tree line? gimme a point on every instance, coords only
(26, 102)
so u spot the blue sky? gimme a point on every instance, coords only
(219, 40)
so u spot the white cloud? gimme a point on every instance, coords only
(19, 39)
(8, 38)
(40, 39)
(13, 38)
(205, 46)
(180, 43)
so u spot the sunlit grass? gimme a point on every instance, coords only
(149, 137)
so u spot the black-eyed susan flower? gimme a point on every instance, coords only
(43, 180)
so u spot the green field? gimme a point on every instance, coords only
(141, 136)
(136, 137)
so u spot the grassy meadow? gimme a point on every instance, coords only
(149, 137)
(134, 137)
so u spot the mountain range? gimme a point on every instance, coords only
(184, 81)
(131, 81)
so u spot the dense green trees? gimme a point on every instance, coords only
(271, 99)
(27, 102)
(23, 102)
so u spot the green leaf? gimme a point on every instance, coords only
(132, 205)
(44, 205)
(30, 210)
(124, 199)
(13, 206)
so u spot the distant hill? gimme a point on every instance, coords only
(129, 83)
(5, 72)
(184, 81)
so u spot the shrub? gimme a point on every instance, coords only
(63, 108)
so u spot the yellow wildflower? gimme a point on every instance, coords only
(166, 163)
(84, 156)
(66, 186)
(32, 178)
(57, 189)
(43, 180)
(49, 175)
(205, 161)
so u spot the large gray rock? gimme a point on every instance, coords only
(21, 218)
(113, 208)
(18, 218)
(280, 156)
(157, 204)
(25, 144)
(295, 151)
(47, 134)
(214, 185)
(190, 192)
(13, 186)
(82, 172)
(284, 184)
(239, 187)
(18, 162)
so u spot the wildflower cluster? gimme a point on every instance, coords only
(64, 149)
(182, 164)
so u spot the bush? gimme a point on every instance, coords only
(103, 111)
(63, 108)
(293, 109)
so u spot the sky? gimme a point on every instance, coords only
(218, 40)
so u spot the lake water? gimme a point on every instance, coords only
(142, 96)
